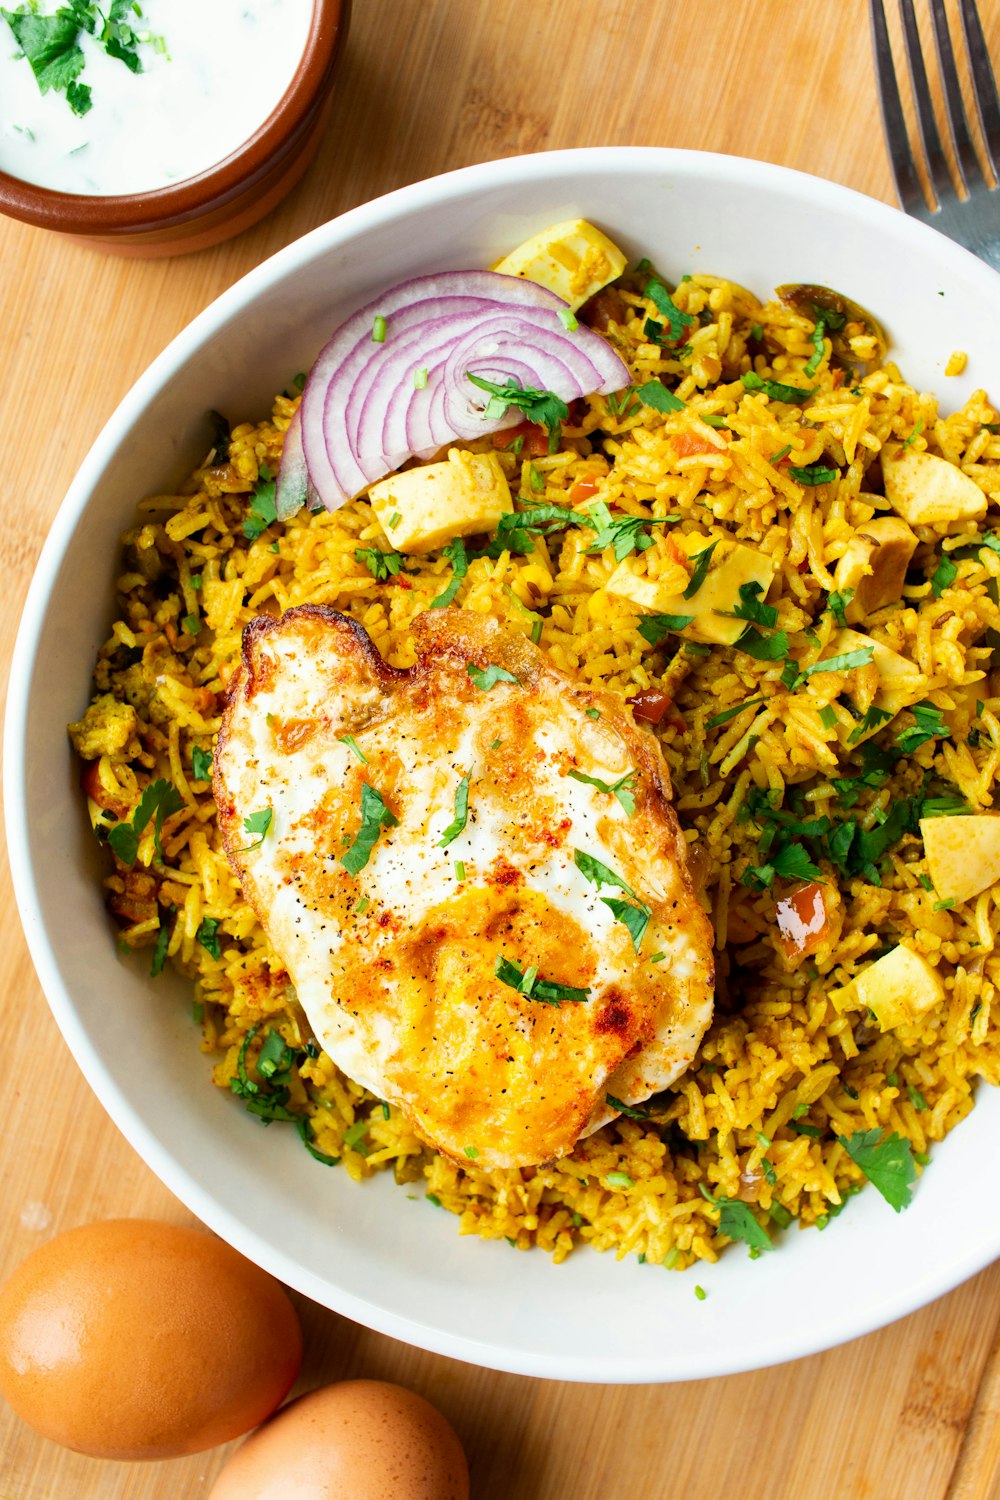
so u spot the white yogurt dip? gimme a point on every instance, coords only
(220, 70)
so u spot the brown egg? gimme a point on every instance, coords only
(131, 1339)
(362, 1438)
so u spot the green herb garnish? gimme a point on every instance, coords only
(201, 763)
(374, 817)
(207, 936)
(792, 395)
(626, 534)
(162, 943)
(456, 555)
(159, 801)
(930, 725)
(888, 1163)
(381, 565)
(257, 823)
(944, 576)
(731, 713)
(621, 789)
(702, 561)
(814, 474)
(457, 825)
(543, 407)
(378, 329)
(655, 394)
(262, 510)
(488, 677)
(527, 983)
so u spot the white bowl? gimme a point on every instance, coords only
(371, 1252)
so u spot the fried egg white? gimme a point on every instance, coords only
(395, 956)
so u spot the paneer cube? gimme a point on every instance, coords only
(711, 607)
(963, 854)
(573, 259)
(899, 988)
(926, 490)
(874, 566)
(421, 509)
(888, 681)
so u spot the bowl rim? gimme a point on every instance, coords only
(782, 1345)
(277, 137)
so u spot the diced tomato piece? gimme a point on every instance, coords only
(649, 706)
(686, 443)
(803, 922)
(584, 489)
(534, 439)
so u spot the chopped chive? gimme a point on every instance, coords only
(568, 319)
(378, 329)
(459, 869)
(420, 378)
(700, 1293)
(471, 1152)
(619, 1179)
(394, 520)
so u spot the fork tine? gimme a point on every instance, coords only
(958, 125)
(904, 170)
(937, 162)
(984, 83)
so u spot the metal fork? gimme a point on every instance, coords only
(966, 208)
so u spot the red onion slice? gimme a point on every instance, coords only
(363, 413)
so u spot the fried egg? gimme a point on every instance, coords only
(473, 873)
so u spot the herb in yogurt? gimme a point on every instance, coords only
(51, 43)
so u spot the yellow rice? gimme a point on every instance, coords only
(789, 1040)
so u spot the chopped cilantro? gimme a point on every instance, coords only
(208, 936)
(159, 800)
(837, 602)
(791, 862)
(527, 983)
(162, 943)
(626, 534)
(516, 528)
(51, 44)
(201, 763)
(763, 647)
(262, 510)
(702, 562)
(665, 305)
(303, 1125)
(736, 1222)
(634, 918)
(793, 395)
(888, 1163)
(456, 555)
(634, 915)
(846, 662)
(653, 628)
(872, 719)
(599, 874)
(655, 394)
(628, 1110)
(930, 725)
(457, 825)
(730, 713)
(819, 346)
(374, 817)
(621, 789)
(828, 716)
(257, 823)
(814, 474)
(381, 565)
(536, 479)
(488, 677)
(543, 407)
(752, 607)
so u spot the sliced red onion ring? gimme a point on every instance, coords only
(363, 414)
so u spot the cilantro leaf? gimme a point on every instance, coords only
(846, 662)
(702, 561)
(517, 527)
(655, 394)
(819, 346)
(634, 918)
(257, 823)
(381, 565)
(814, 474)
(930, 725)
(162, 944)
(456, 555)
(837, 602)
(872, 719)
(730, 713)
(304, 1127)
(262, 510)
(527, 983)
(737, 1222)
(543, 407)
(752, 607)
(791, 862)
(792, 395)
(625, 533)
(207, 936)
(888, 1164)
(50, 43)
(665, 305)
(622, 788)
(654, 628)
(374, 817)
(763, 647)
(488, 677)
(201, 763)
(944, 576)
(599, 874)
(628, 1110)
(457, 825)
(159, 800)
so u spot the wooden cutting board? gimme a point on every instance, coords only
(912, 1411)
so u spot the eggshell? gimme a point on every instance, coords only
(365, 1439)
(133, 1339)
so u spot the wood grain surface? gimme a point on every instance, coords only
(428, 85)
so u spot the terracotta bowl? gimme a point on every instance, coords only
(222, 201)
